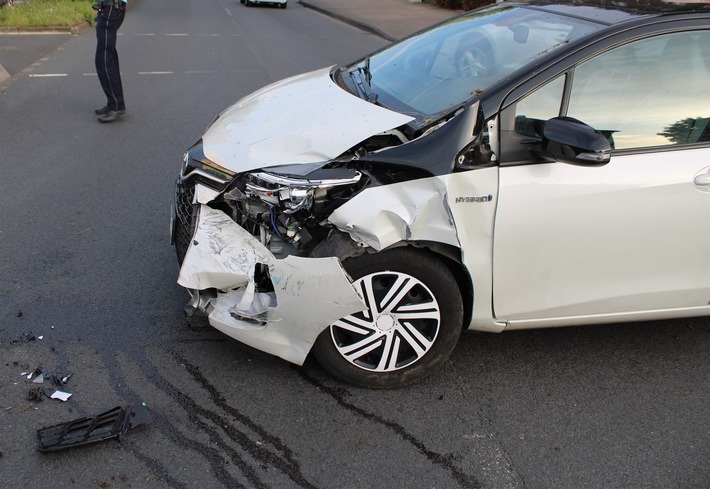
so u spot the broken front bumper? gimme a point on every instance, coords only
(308, 293)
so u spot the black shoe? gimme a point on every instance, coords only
(102, 110)
(111, 115)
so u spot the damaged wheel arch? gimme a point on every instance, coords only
(340, 245)
(413, 320)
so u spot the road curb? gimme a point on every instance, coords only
(69, 30)
(5, 76)
(356, 23)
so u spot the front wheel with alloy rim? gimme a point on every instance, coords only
(412, 322)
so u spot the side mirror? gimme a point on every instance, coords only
(568, 140)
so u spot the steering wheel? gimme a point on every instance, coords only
(475, 59)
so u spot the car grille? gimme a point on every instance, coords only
(185, 212)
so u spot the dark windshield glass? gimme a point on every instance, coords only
(441, 68)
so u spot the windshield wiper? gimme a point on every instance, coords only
(365, 70)
(361, 76)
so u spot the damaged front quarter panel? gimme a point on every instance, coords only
(409, 211)
(308, 293)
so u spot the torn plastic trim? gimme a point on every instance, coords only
(204, 195)
(308, 293)
(114, 423)
(436, 151)
(197, 167)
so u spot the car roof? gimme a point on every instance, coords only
(617, 11)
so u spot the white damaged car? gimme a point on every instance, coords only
(526, 165)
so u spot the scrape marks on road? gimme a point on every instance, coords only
(220, 440)
(444, 460)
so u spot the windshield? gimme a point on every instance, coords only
(439, 69)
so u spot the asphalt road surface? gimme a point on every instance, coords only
(85, 263)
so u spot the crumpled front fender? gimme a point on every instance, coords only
(309, 293)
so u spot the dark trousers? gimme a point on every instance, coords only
(108, 21)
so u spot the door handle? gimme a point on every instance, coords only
(703, 180)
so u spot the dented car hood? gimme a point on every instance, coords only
(303, 119)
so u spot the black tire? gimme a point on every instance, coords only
(383, 350)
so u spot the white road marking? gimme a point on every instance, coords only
(175, 34)
(186, 72)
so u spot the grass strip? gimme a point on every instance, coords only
(46, 13)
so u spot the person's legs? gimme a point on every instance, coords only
(107, 67)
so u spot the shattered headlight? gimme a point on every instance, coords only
(293, 193)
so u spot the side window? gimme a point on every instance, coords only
(652, 92)
(521, 123)
(534, 110)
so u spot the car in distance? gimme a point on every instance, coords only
(525, 165)
(279, 3)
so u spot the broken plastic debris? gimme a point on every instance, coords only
(62, 396)
(253, 305)
(25, 338)
(37, 373)
(112, 424)
(35, 394)
(57, 378)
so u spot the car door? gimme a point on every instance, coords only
(632, 235)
